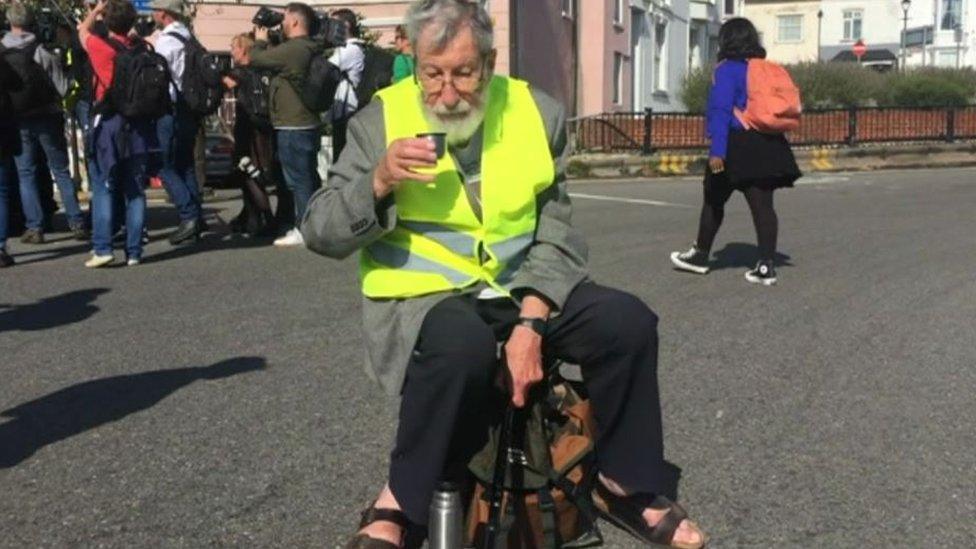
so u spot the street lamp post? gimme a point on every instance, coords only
(905, 4)
(819, 35)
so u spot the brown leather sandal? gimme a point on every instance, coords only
(371, 515)
(627, 513)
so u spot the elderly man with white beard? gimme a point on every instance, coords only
(474, 249)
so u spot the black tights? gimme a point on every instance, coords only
(760, 200)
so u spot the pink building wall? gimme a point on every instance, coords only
(544, 42)
(600, 39)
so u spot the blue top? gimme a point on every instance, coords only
(728, 92)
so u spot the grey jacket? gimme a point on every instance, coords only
(47, 60)
(344, 216)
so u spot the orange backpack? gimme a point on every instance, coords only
(773, 100)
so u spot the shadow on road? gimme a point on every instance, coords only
(85, 406)
(739, 255)
(50, 312)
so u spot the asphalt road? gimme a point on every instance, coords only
(214, 396)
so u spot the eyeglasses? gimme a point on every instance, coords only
(463, 83)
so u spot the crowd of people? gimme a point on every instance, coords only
(137, 127)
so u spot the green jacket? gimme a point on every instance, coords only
(290, 62)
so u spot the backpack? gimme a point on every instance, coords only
(201, 88)
(377, 73)
(35, 90)
(773, 99)
(542, 490)
(140, 82)
(319, 89)
(254, 95)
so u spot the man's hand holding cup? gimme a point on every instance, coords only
(403, 159)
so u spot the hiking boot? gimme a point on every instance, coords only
(693, 261)
(79, 232)
(32, 236)
(5, 259)
(764, 274)
(187, 231)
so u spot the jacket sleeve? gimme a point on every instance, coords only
(721, 101)
(344, 216)
(263, 57)
(556, 263)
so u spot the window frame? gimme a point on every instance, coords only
(779, 28)
(618, 79)
(850, 16)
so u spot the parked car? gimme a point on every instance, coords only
(219, 157)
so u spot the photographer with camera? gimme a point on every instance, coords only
(36, 104)
(350, 58)
(296, 127)
(254, 158)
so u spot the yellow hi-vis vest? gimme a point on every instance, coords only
(439, 244)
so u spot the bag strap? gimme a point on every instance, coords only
(547, 512)
(183, 40)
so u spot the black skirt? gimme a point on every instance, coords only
(759, 159)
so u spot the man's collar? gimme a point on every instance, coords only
(174, 26)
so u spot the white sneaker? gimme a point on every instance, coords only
(291, 239)
(97, 261)
(132, 262)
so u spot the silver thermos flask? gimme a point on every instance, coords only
(445, 529)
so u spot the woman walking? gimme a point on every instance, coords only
(741, 157)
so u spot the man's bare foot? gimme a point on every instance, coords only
(686, 534)
(384, 530)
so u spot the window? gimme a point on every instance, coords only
(618, 79)
(661, 57)
(790, 28)
(729, 7)
(951, 14)
(567, 8)
(852, 25)
(618, 12)
(947, 59)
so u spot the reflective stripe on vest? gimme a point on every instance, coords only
(439, 244)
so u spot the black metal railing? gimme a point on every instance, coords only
(648, 131)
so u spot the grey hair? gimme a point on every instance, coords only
(18, 15)
(448, 17)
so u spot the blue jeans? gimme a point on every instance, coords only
(177, 137)
(46, 130)
(298, 152)
(6, 179)
(128, 178)
(82, 114)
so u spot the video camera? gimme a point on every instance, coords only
(331, 32)
(144, 26)
(268, 18)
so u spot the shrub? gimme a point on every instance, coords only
(694, 90)
(836, 85)
(839, 85)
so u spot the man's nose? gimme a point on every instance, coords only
(449, 96)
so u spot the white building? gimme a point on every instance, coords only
(940, 32)
(669, 38)
(788, 28)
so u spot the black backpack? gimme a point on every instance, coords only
(377, 73)
(319, 89)
(140, 82)
(253, 93)
(201, 87)
(34, 89)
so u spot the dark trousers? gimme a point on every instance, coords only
(449, 391)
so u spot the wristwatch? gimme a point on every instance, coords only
(537, 325)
